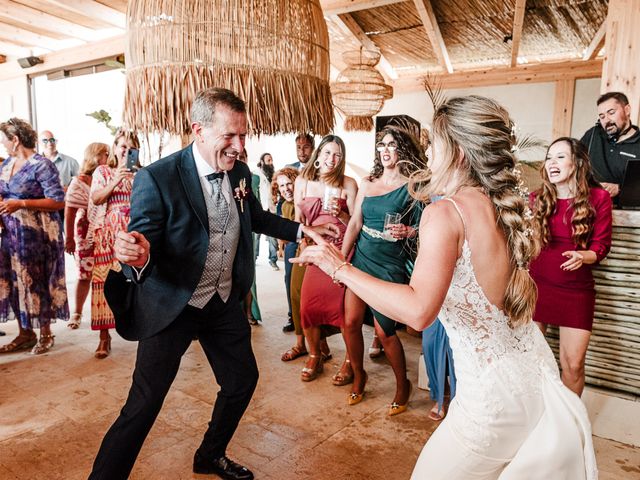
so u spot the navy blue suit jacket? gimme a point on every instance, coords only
(168, 208)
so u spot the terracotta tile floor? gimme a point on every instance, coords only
(54, 410)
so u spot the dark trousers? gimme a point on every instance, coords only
(225, 337)
(290, 250)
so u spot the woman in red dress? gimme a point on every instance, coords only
(323, 194)
(572, 216)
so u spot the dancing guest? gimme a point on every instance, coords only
(76, 224)
(510, 407)
(381, 251)
(32, 282)
(109, 214)
(573, 220)
(323, 194)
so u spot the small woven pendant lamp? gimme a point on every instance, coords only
(273, 53)
(359, 91)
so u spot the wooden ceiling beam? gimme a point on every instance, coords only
(596, 43)
(41, 21)
(26, 38)
(337, 7)
(69, 57)
(91, 9)
(516, 33)
(430, 23)
(347, 23)
(528, 73)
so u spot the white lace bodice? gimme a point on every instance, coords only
(488, 353)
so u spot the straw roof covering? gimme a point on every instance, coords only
(274, 54)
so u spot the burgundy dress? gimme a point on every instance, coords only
(321, 300)
(567, 299)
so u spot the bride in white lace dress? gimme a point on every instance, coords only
(511, 418)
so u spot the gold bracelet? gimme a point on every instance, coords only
(333, 275)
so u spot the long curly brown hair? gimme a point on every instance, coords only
(583, 212)
(411, 156)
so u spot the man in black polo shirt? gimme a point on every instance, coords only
(613, 141)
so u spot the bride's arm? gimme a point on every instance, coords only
(418, 303)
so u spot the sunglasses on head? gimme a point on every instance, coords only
(391, 146)
(49, 140)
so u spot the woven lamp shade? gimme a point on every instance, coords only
(359, 91)
(274, 54)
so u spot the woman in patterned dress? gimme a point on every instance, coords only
(108, 214)
(32, 283)
(76, 224)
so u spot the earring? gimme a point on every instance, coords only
(316, 164)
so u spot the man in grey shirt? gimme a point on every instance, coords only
(67, 166)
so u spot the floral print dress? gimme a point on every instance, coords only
(32, 280)
(106, 220)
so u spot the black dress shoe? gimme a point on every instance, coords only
(289, 327)
(223, 467)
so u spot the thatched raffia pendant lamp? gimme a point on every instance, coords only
(273, 53)
(359, 91)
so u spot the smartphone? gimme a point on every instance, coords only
(133, 164)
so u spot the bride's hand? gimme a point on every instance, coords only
(324, 255)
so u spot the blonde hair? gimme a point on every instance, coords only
(583, 212)
(130, 137)
(482, 130)
(91, 155)
(335, 178)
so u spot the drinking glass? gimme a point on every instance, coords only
(391, 218)
(331, 195)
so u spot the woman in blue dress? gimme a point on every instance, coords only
(32, 282)
(382, 253)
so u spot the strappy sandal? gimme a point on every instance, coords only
(74, 321)
(309, 374)
(436, 414)
(293, 353)
(104, 348)
(340, 379)
(44, 344)
(16, 346)
(375, 352)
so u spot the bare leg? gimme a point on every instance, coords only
(573, 349)
(352, 332)
(313, 366)
(82, 290)
(395, 354)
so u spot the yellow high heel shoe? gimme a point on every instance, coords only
(396, 409)
(355, 398)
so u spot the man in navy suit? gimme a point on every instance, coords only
(188, 256)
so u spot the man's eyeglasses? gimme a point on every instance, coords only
(391, 146)
(49, 140)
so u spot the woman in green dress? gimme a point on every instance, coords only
(382, 252)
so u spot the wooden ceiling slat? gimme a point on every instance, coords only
(119, 5)
(596, 44)
(337, 7)
(516, 35)
(428, 17)
(41, 21)
(91, 9)
(26, 38)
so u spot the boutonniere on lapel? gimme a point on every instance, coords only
(240, 193)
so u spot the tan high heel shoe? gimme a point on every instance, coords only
(396, 409)
(308, 374)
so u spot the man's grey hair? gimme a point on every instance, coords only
(204, 105)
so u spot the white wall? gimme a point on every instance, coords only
(62, 106)
(14, 100)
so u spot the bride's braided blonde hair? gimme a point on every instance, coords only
(482, 131)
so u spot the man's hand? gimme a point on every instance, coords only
(612, 188)
(132, 249)
(319, 231)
